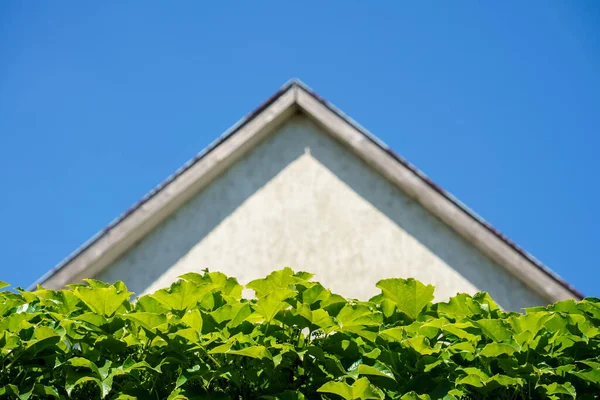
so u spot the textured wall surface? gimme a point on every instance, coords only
(302, 200)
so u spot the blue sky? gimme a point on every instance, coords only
(498, 102)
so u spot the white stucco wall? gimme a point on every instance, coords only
(300, 199)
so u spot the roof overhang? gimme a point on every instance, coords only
(109, 244)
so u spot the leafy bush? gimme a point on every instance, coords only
(296, 340)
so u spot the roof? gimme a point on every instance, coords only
(130, 227)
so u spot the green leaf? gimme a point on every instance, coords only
(104, 301)
(492, 350)
(420, 344)
(592, 375)
(62, 301)
(471, 380)
(251, 351)
(486, 303)
(360, 389)
(148, 304)
(234, 313)
(96, 284)
(3, 284)
(91, 318)
(357, 318)
(315, 293)
(189, 334)
(275, 281)
(531, 322)
(558, 388)
(75, 379)
(409, 295)
(44, 332)
(269, 305)
(193, 319)
(499, 380)
(460, 331)
(460, 306)
(340, 388)
(147, 320)
(81, 362)
(495, 329)
(35, 346)
(9, 389)
(377, 370)
(45, 391)
(243, 313)
(181, 295)
(397, 334)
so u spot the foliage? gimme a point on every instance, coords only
(199, 339)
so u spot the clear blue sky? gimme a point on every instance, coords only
(496, 101)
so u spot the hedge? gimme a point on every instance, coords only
(199, 339)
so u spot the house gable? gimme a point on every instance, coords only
(300, 199)
(114, 243)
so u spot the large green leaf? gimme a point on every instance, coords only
(376, 370)
(275, 281)
(460, 306)
(269, 305)
(181, 295)
(353, 316)
(104, 301)
(147, 320)
(495, 329)
(62, 301)
(218, 281)
(193, 319)
(360, 389)
(493, 350)
(558, 389)
(409, 295)
(591, 375)
(251, 351)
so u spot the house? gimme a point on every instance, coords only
(298, 183)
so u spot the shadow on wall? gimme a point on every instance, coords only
(447, 245)
(191, 223)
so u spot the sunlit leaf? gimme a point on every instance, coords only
(269, 305)
(492, 350)
(146, 319)
(360, 389)
(376, 370)
(181, 295)
(275, 281)
(105, 301)
(460, 306)
(559, 388)
(495, 329)
(409, 295)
